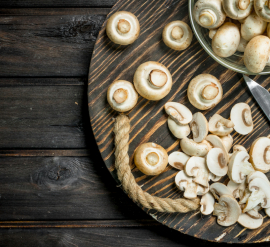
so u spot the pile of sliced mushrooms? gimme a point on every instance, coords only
(237, 25)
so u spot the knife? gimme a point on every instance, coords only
(260, 94)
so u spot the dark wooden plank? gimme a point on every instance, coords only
(48, 42)
(148, 119)
(45, 153)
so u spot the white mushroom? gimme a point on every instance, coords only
(267, 211)
(219, 189)
(237, 9)
(209, 13)
(192, 148)
(227, 210)
(216, 142)
(207, 203)
(252, 26)
(177, 35)
(212, 33)
(123, 28)
(178, 160)
(204, 91)
(122, 96)
(242, 118)
(178, 112)
(152, 80)
(227, 141)
(150, 158)
(242, 45)
(226, 40)
(219, 125)
(260, 154)
(199, 127)
(262, 8)
(256, 174)
(196, 168)
(216, 162)
(237, 189)
(251, 219)
(239, 167)
(179, 131)
(214, 177)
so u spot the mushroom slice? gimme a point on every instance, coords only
(219, 125)
(214, 177)
(227, 141)
(239, 148)
(262, 9)
(260, 154)
(237, 189)
(122, 96)
(256, 174)
(219, 189)
(251, 219)
(150, 158)
(196, 168)
(237, 9)
(193, 148)
(227, 210)
(199, 127)
(178, 112)
(177, 35)
(239, 167)
(267, 211)
(178, 160)
(216, 142)
(204, 91)
(179, 131)
(123, 28)
(209, 14)
(242, 118)
(152, 80)
(207, 203)
(217, 162)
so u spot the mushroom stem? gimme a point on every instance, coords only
(191, 190)
(207, 18)
(202, 178)
(243, 4)
(226, 122)
(120, 95)
(195, 129)
(220, 211)
(245, 196)
(177, 33)
(246, 168)
(210, 92)
(247, 118)
(255, 199)
(152, 159)
(266, 155)
(123, 26)
(158, 78)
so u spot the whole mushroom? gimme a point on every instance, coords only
(237, 9)
(262, 8)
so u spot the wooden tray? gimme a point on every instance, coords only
(148, 119)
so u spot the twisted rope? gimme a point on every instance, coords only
(121, 130)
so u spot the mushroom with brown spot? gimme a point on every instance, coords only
(178, 112)
(220, 126)
(178, 160)
(199, 127)
(219, 189)
(193, 148)
(216, 162)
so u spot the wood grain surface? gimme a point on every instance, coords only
(148, 119)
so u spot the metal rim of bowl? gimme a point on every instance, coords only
(214, 56)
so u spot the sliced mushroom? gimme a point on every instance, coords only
(256, 174)
(196, 168)
(178, 112)
(199, 127)
(216, 162)
(122, 96)
(204, 91)
(260, 154)
(226, 40)
(227, 141)
(152, 80)
(123, 28)
(216, 142)
(209, 13)
(267, 211)
(219, 189)
(251, 219)
(214, 177)
(207, 203)
(192, 148)
(262, 8)
(219, 125)
(150, 158)
(179, 131)
(227, 210)
(242, 118)
(237, 189)
(237, 9)
(239, 148)
(178, 160)
(177, 35)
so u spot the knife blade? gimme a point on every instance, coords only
(260, 94)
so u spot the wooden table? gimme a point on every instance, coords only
(55, 189)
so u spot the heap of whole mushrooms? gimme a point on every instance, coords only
(237, 25)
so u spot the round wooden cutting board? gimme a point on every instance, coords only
(148, 118)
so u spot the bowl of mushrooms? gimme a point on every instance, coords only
(235, 33)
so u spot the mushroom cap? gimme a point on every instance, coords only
(209, 14)
(260, 154)
(204, 91)
(150, 158)
(227, 210)
(241, 117)
(178, 112)
(219, 125)
(142, 80)
(216, 142)
(251, 219)
(177, 35)
(227, 141)
(252, 26)
(199, 127)
(130, 95)
(127, 37)
(207, 204)
(256, 174)
(262, 9)
(219, 189)
(226, 40)
(178, 160)
(179, 131)
(233, 9)
(193, 148)
(216, 162)
(239, 148)
(242, 45)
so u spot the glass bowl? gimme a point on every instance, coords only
(234, 62)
